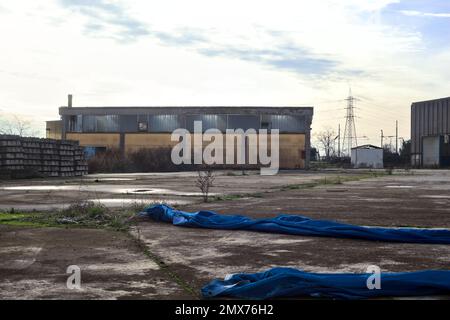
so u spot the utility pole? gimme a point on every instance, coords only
(381, 139)
(339, 140)
(350, 127)
(396, 136)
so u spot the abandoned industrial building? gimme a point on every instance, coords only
(132, 128)
(430, 133)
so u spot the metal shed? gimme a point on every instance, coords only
(367, 156)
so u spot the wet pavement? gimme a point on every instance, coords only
(200, 255)
(33, 261)
(120, 190)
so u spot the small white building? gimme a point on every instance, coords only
(367, 156)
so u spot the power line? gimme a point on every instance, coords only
(384, 110)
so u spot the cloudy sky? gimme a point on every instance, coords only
(234, 52)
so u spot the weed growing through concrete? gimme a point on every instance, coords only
(87, 214)
(204, 182)
(332, 181)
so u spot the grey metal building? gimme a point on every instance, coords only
(430, 133)
(132, 128)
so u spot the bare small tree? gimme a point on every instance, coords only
(205, 181)
(17, 126)
(326, 140)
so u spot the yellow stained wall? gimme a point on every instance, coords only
(53, 129)
(292, 151)
(109, 140)
(292, 146)
(136, 141)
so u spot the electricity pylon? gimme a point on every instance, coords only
(350, 139)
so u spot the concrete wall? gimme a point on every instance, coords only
(136, 141)
(292, 146)
(367, 158)
(54, 129)
(293, 153)
(109, 140)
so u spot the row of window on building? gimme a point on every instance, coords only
(168, 123)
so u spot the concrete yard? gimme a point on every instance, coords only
(158, 260)
(117, 190)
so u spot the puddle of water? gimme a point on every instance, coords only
(165, 191)
(41, 188)
(112, 203)
(119, 189)
(109, 179)
(121, 202)
(400, 187)
(435, 196)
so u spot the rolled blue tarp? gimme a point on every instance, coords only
(295, 225)
(287, 282)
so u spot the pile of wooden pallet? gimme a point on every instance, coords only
(21, 156)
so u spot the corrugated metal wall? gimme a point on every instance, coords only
(428, 118)
(164, 123)
(285, 123)
(128, 123)
(109, 123)
(243, 122)
(209, 121)
(170, 122)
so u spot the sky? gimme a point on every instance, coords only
(240, 53)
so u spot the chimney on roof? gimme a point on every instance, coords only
(69, 101)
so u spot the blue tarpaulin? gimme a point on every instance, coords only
(296, 225)
(287, 282)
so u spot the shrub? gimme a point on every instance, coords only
(148, 160)
(111, 160)
(142, 160)
(205, 181)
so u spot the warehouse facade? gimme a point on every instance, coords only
(133, 128)
(430, 133)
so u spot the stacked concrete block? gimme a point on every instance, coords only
(11, 153)
(50, 160)
(46, 157)
(66, 158)
(80, 163)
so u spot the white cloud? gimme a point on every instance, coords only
(155, 53)
(425, 14)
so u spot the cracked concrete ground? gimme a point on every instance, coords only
(121, 190)
(33, 261)
(33, 264)
(421, 199)
(200, 255)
